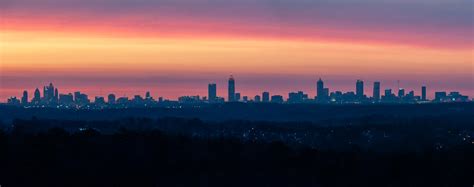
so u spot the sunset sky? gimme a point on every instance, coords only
(177, 47)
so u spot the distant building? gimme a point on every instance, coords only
(111, 99)
(440, 96)
(13, 101)
(122, 101)
(451, 97)
(24, 98)
(245, 99)
(56, 95)
(189, 99)
(49, 94)
(321, 93)
(401, 93)
(66, 99)
(99, 101)
(277, 99)
(325, 94)
(257, 99)
(237, 97)
(457, 97)
(297, 97)
(37, 97)
(360, 89)
(231, 89)
(148, 95)
(389, 97)
(81, 99)
(212, 92)
(376, 94)
(266, 97)
(423, 93)
(388, 92)
(138, 100)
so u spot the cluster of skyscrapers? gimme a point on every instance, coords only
(51, 97)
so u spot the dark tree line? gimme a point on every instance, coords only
(149, 156)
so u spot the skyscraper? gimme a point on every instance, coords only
(24, 98)
(231, 89)
(49, 93)
(320, 90)
(322, 93)
(37, 97)
(56, 95)
(360, 89)
(376, 94)
(265, 97)
(423, 93)
(212, 92)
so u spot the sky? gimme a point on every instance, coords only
(177, 47)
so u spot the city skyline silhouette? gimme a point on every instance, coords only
(323, 94)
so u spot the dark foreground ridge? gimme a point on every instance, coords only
(404, 151)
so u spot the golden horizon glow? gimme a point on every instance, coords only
(69, 53)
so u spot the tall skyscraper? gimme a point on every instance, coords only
(376, 94)
(56, 94)
(24, 98)
(212, 92)
(320, 89)
(322, 93)
(266, 97)
(49, 93)
(37, 97)
(360, 89)
(423, 93)
(231, 89)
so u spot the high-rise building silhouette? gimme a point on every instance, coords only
(147, 95)
(401, 93)
(440, 96)
(111, 99)
(237, 97)
(360, 89)
(36, 97)
(66, 99)
(212, 92)
(257, 99)
(56, 95)
(423, 93)
(388, 92)
(231, 89)
(266, 97)
(320, 95)
(24, 98)
(49, 93)
(277, 99)
(376, 94)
